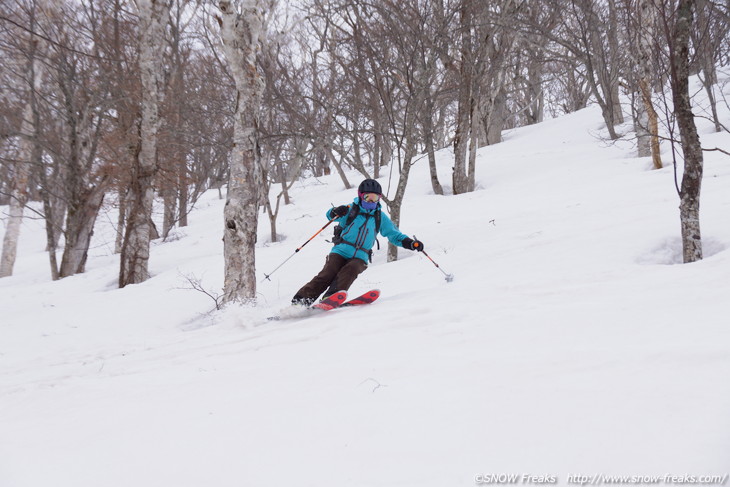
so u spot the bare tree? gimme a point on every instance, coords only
(153, 16)
(99, 105)
(82, 100)
(647, 79)
(391, 72)
(27, 149)
(678, 21)
(179, 117)
(466, 99)
(711, 29)
(487, 40)
(589, 30)
(241, 34)
(639, 20)
(120, 62)
(530, 67)
(567, 88)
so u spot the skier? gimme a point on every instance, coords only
(357, 227)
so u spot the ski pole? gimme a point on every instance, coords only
(449, 277)
(267, 276)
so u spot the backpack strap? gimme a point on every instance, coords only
(355, 210)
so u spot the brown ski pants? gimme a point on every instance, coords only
(338, 274)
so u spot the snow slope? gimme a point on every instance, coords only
(570, 343)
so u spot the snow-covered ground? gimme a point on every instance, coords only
(571, 342)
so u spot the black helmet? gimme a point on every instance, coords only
(370, 186)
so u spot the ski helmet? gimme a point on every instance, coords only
(370, 186)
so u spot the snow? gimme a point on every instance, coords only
(571, 342)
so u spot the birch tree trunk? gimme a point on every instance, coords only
(18, 198)
(53, 230)
(705, 53)
(493, 112)
(430, 149)
(241, 35)
(57, 201)
(19, 193)
(641, 125)
(395, 204)
(689, 208)
(651, 129)
(327, 153)
(79, 230)
(460, 179)
(614, 63)
(473, 145)
(497, 43)
(600, 51)
(536, 96)
(83, 191)
(153, 18)
(183, 197)
(122, 193)
(410, 149)
(170, 199)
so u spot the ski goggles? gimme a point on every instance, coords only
(370, 197)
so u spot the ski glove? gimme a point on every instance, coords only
(340, 211)
(410, 244)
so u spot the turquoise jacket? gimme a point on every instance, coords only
(361, 233)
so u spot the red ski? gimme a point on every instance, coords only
(336, 300)
(331, 302)
(366, 298)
